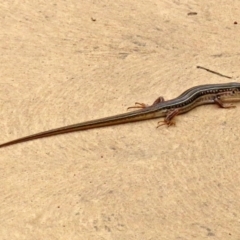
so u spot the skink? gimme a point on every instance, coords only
(191, 98)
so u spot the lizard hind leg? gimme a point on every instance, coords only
(170, 123)
(169, 119)
(144, 105)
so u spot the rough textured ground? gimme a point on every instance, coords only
(63, 62)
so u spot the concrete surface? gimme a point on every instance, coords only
(64, 62)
